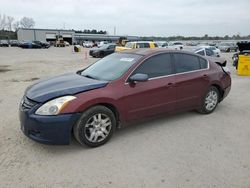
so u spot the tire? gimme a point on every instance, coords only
(210, 101)
(90, 131)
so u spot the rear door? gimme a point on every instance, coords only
(155, 96)
(192, 79)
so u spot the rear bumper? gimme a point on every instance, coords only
(48, 129)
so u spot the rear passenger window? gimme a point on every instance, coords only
(186, 63)
(159, 65)
(203, 63)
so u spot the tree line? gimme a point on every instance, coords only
(93, 31)
(9, 26)
(205, 37)
(8, 23)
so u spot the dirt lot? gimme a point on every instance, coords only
(184, 150)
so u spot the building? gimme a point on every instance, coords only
(44, 34)
(70, 36)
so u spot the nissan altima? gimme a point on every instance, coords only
(122, 87)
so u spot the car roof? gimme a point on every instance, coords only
(152, 51)
(198, 49)
(141, 42)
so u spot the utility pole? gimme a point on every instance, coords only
(115, 30)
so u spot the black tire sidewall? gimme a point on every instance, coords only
(79, 128)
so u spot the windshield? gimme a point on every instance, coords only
(111, 67)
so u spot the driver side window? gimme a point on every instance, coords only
(156, 66)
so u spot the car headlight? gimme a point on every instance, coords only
(54, 106)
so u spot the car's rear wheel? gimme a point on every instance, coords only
(210, 101)
(95, 126)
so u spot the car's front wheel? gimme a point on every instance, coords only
(95, 126)
(210, 101)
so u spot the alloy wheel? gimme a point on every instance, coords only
(211, 100)
(97, 128)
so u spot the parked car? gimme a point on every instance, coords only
(42, 44)
(192, 43)
(66, 43)
(120, 88)
(136, 44)
(29, 44)
(103, 51)
(213, 48)
(14, 43)
(227, 47)
(161, 44)
(175, 45)
(4, 43)
(206, 52)
(87, 44)
(100, 44)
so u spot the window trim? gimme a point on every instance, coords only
(173, 64)
(143, 60)
(200, 69)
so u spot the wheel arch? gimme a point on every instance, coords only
(111, 107)
(221, 92)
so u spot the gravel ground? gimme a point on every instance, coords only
(183, 150)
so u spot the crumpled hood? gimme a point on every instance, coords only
(66, 84)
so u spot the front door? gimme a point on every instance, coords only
(155, 96)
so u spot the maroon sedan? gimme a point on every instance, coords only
(120, 88)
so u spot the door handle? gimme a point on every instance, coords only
(205, 77)
(169, 85)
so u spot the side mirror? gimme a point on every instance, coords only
(138, 78)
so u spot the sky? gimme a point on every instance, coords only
(137, 17)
